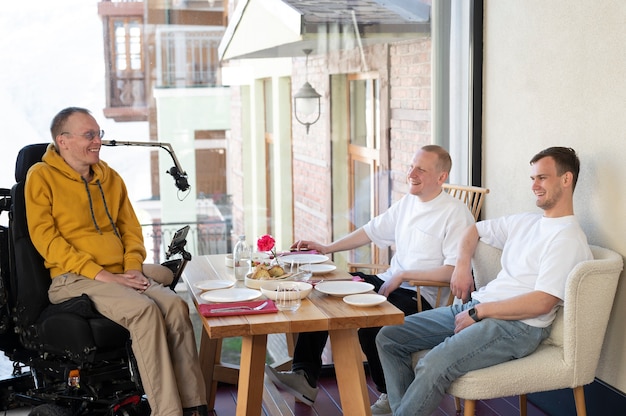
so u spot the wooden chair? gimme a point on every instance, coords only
(473, 196)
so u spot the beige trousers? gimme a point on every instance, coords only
(160, 329)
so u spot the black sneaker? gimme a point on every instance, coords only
(294, 382)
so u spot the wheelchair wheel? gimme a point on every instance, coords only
(50, 410)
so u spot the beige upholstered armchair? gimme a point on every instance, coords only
(566, 359)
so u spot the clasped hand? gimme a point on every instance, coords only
(131, 278)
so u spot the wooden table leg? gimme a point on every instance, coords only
(349, 372)
(251, 373)
(209, 356)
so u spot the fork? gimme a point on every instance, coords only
(239, 308)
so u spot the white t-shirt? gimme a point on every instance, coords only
(425, 234)
(538, 253)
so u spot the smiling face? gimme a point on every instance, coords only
(74, 144)
(548, 186)
(425, 175)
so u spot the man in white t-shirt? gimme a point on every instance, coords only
(509, 317)
(425, 226)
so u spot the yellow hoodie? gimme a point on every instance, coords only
(81, 227)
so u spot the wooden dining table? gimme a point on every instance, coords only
(318, 312)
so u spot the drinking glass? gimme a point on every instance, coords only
(242, 270)
(288, 296)
(304, 272)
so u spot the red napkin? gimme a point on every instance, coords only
(205, 310)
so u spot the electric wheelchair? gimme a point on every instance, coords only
(70, 360)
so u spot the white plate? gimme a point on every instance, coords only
(304, 258)
(214, 284)
(343, 288)
(318, 268)
(238, 294)
(365, 299)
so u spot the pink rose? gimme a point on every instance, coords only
(265, 243)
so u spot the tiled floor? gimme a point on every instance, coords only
(327, 403)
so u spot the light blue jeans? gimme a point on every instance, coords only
(419, 390)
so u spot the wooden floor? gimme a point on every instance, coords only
(327, 402)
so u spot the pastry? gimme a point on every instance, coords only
(276, 271)
(261, 273)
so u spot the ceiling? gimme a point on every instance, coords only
(284, 28)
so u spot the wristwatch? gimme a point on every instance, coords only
(473, 314)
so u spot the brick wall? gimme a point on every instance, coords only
(407, 67)
(410, 106)
(311, 157)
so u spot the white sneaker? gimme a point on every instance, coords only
(381, 407)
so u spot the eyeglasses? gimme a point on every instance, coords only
(90, 135)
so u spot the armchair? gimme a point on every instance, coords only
(569, 356)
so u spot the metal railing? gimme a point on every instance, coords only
(187, 57)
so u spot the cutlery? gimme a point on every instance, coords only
(239, 308)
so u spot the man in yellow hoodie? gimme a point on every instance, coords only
(82, 223)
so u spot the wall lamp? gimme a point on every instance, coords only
(306, 100)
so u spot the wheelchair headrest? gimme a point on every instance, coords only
(27, 157)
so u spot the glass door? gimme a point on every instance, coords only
(364, 157)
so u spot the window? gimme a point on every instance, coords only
(127, 44)
(364, 157)
(127, 77)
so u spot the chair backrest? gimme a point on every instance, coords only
(30, 278)
(473, 196)
(485, 264)
(589, 296)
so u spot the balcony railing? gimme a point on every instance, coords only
(187, 57)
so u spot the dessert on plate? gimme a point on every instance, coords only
(263, 271)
